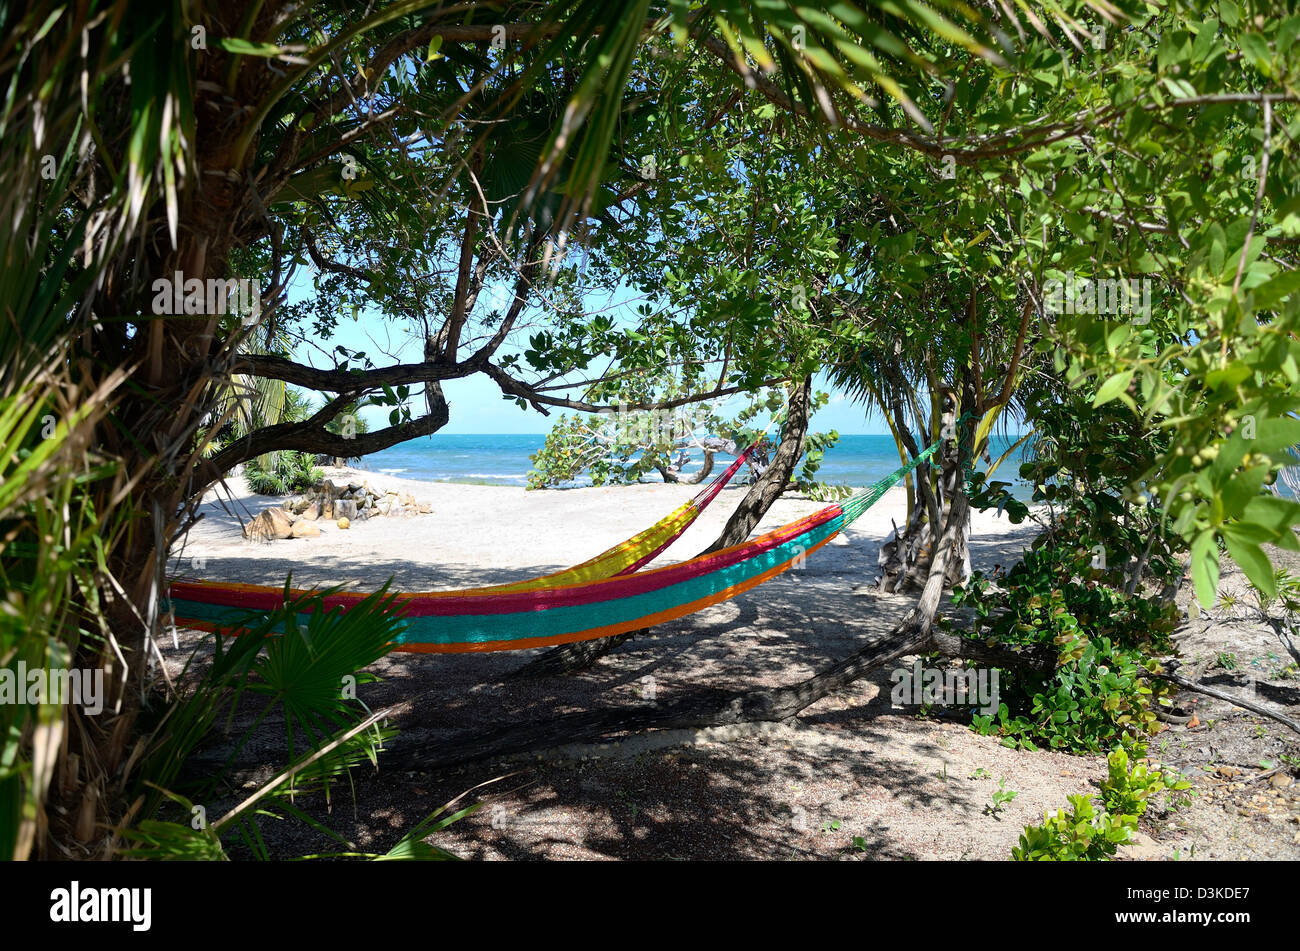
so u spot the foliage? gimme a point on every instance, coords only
(1080, 589)
(349, 422)
(53, 559)
(282, 473)
(1089, 833)
(304, 662)
(626, 445)
(1097, 695)
(1213, 368)
(1002, 797)
(57, 523)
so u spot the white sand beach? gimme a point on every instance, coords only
(847, 754)
(482, 534)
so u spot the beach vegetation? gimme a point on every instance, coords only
(283, 472)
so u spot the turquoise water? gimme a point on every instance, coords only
(496, 459)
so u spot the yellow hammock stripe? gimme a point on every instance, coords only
(608, 563)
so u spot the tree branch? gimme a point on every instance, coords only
(311, 436)
(349, 381)
(513, 387)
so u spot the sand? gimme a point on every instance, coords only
(853, 777)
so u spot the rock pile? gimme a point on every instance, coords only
(346, 504)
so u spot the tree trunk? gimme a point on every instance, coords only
(671, 475)
(906, 557)
(580, 655)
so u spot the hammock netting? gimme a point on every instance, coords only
(599, 598)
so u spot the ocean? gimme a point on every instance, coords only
(503, 459)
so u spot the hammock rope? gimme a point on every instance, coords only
(514, 617)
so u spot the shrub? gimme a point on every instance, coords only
(281, 473)
(288, 665)
(1087, 833)
(1098, 695)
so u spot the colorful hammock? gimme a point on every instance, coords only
(497, 619)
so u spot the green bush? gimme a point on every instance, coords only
(282, 473)
(1087, 833)
(1097, 695)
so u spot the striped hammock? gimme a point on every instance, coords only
(531, 614)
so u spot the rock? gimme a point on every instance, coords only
(298, 505)
(272, 523)
(1143, 847)
(425, 508)
(355, 487)
(327, 508)
(344, 523)
(397, 510)
(305, 529)
(312, 512)
(1280, 780)
(345, 509)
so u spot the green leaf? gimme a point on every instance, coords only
(1234, 373)
(1205, 568)
(1277, 515)
(1277, 433)
(242, 47)
(1113, 387)
(1253, 562)
(1270, 293)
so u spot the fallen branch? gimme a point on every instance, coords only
(1250, 705)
